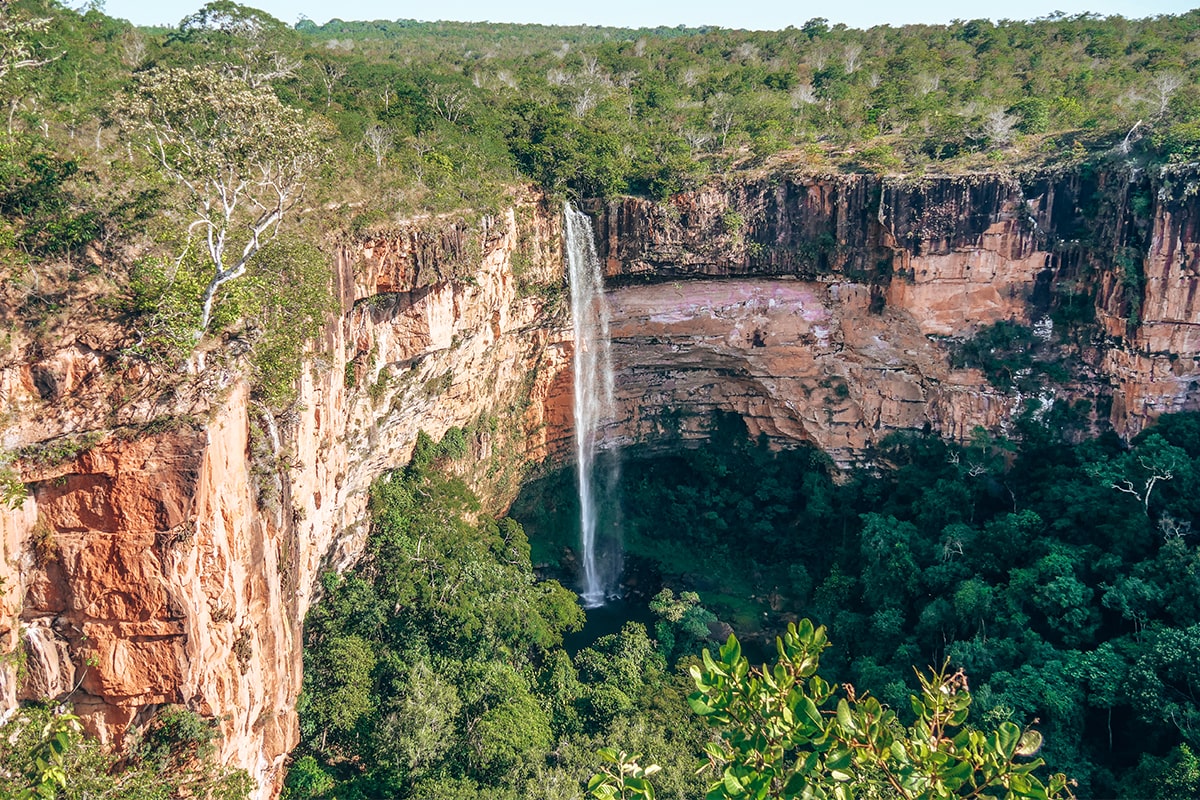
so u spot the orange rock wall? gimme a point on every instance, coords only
(825, 302)
(173, 561)
(154, 568)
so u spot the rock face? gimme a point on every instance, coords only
(824, 305)
(172, 561)
(175, 529)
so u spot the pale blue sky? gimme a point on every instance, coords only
(638, 13)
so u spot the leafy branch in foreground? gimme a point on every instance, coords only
(784, 734)
(622, 777)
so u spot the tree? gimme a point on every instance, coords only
(784, 734)
(1139, 471)
(247, 43)
(241, 155)
(379, 141)
(16, 50)
(1165, 84)
(337, 691)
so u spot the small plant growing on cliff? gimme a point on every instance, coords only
(12, 489)
(60, 450)
(46, 755)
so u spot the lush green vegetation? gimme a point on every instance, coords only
(46, 757)
(1060, 577)
(784, 732)
(435, 670)
(595, 110)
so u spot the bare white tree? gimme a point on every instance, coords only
(927, 83)
(999, 127)
(1127, 142)
(17, 51)
(696, 139)
(1173, 527)
(802, 95)
(585, 102)
(133, 49)
(241, 155)
(1138, 472)
(1164, 85)
(379, 141)
(722, 120)
(850, 57)
(747, 51)
(422, 144)
(331, 76)
(449, 103)
(819, 58)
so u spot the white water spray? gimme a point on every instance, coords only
(593, 386)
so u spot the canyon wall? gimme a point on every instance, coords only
(829, 309)
(175, 529)
(172, 539)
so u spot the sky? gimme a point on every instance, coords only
(751, 14)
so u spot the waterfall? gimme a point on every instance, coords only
(593, 392)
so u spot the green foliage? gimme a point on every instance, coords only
(785, 734)
(621, 777)
(165, 295)
(1066, 600)
(428, 668)
(306, 779)
(176, 736)
(60, 450)
(287, 296)
(1002, 351)
(281, 305)
(13, 490)
(593, 111)
(39, 213)
(684, 624)
(46, 756)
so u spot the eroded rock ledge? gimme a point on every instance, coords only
(818, 308)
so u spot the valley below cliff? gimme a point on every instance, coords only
(175, 530)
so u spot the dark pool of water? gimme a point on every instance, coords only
(609, 618)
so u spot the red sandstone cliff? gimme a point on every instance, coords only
(170, 547)
(867, 276)
(172, 561)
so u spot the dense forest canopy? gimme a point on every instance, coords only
(1064, 599)
(444, 114)
(389, 119)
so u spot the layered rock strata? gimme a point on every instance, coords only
(175, 529)
(172, 559)
(828, 306)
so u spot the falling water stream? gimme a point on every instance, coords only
(593, 391)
